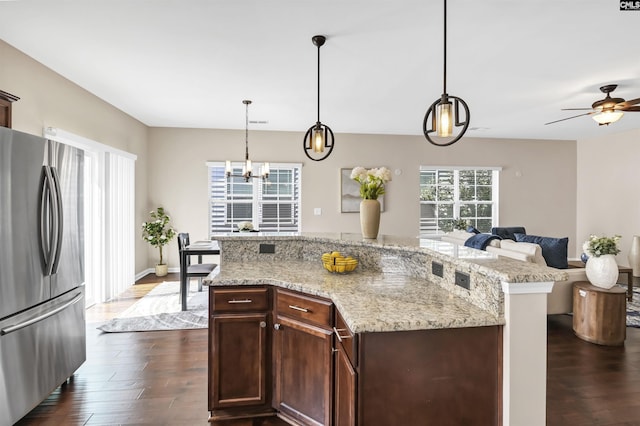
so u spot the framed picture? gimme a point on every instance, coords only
(350, 193)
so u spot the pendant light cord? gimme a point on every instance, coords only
(246, 131)
(444, 83)
(318, 84)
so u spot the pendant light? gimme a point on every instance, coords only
(247, 171)
(318, 141)
(445, 111)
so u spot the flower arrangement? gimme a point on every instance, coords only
(245, 226)
(157, 231)
(371, 181)
(598, 246)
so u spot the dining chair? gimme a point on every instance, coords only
(198, 270)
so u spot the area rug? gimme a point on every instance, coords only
(160, 310)
(633, 309)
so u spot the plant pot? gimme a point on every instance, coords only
(369, 218)
(602, 271)
(162, 270)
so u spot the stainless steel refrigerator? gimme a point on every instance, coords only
(42, 317)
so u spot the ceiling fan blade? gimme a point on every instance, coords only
(625, 104)
(576, 109)
(569, 118)
(631, 109)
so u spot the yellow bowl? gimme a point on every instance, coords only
(337, 262)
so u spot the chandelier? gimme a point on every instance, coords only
(247, 167)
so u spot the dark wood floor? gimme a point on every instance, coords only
(160, 378)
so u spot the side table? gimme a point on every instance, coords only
(599, 315)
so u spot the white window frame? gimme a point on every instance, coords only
(256, 197)
(495, 202)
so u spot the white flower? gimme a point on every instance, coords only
(358, 173)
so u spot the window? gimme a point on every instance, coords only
(452, 193)
(272, 205)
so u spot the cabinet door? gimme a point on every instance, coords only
(303, 372)
(238, 367)
(345, 389)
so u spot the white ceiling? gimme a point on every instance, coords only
(190, 63)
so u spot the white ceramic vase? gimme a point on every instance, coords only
(369, 218)
(634, 255)
(602, 271)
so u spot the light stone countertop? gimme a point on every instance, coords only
(489, 264)
(368, 301)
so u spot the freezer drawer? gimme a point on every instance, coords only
(39, 350)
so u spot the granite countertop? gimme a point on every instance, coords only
(368, 301)
(489, 264)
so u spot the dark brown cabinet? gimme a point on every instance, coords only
(303, 377)
(279, 352)
(239, 355)
(345, 376)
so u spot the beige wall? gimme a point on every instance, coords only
(607, 194)
(47, 99)
(538, 180)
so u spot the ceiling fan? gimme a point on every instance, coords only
(607, 110)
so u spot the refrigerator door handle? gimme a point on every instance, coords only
(44, 222)
(57, 220)
(16, 327)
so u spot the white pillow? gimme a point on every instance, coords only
(530, 249)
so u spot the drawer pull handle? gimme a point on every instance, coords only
(263, 324)
(337, 333)
(298, 308)
(240, 301)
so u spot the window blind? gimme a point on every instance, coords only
(272, 205)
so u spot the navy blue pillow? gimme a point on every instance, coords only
(472, 229)
(554, 250)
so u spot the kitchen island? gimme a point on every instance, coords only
(420, 330)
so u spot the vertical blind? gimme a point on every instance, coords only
(272, 205)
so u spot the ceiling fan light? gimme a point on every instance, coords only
(445, 120)
(607, 117)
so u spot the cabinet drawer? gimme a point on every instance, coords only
(307, 308)
(239, 299)
(347, 339)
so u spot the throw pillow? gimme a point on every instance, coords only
(554, 250)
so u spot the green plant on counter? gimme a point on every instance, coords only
(157, 231)
(598, 246)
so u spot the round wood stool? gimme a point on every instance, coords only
(599, 315)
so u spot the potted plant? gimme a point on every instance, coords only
(158, 233)
(602, 268)
(372, 184)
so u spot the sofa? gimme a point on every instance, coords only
(560, 300)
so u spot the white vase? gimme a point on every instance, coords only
(602, 271)
(162, 270)
(634, 255)
(369, 218)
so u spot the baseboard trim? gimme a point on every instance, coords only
(152, 271)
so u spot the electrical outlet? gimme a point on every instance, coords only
(463, 280)
(267, 248)
(317, 211)
(436, 269)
